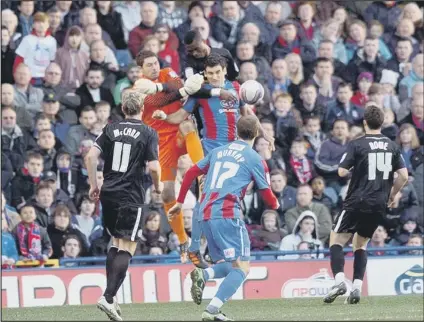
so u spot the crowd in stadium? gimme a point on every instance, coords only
(65, 63)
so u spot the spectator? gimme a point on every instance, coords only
(32, 239)
(10, 21)
(26, 95)
(102, 109)
(251, 32)
(267, 235)
(170, 14)
(59, 127)
(43, 203)
(324, 80)
(245, 53)
(285, 193)
(415, 241)
(67, 98)
(23, 118)
(60, 228)
(308, 105)
(376, 95)
(286, 118)
(7, 175)
(60, 197)
(416, 118)
(78, 132)
(188, 218)
(38, 49)
(320, 195)
(331, 31)
(409, 143)
(300, 169)
(169, 55)
(55, 26)
(15, 141)
(357, 33)
(202, 25)
(151, 236)
(130, 12)
(386, 12)
(408, 227)
(401, 62)
(404, 29)
(93, 32)
(304, 202)
(26, 10)
(274, 13)
(7, 56)
(313, 135)
(306, 26)
(173, 246)
(10, 216)
(289, 42)
(111, 22)
(72, 59)
(389, 127)
(71, 248)
(272, 159)
(295, 70)
(416, 75)
(133, 73)
(91, 91)
(413, 12)
(84, 221)
(364, 82)
(149, 15)
(66, 178)
(279, 80)
(306, 229)
(152, 43)
(342, 108)
(328, 157)
(69, 16)
(378, 240)
(46, 142)
(9, 253)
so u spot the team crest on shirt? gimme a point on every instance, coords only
(229, 106)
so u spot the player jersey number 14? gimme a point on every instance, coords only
(223, 171)
(381, 161)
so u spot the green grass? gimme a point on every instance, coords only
(371, 308)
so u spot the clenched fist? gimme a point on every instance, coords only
(146, 86)
(159, 115)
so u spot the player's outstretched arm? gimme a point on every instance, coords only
(91, 161)
(154, 169)
(174, 118)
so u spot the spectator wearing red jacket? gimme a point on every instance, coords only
(167, 53)
(364, 82)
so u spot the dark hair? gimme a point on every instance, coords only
(61, 208)
(71, 236)
(369, 37)
(322, 60)
(403, 39)
(375, 88)
(143, 55)
(266, 120)
(244, 42)
(94, 68)
(344, 84)
(5, 28)
(33, 155)
(276, 172)
(87, 108)
(374, 117)
(100, 104)
(53, 9)
(41, 116)
(75, 31)
(215, 60)
(248, 127)
(309, 118)
(340, 120)
(46, 130)
(307, 84)
(43, 185)
(8, 107)
(325, 41)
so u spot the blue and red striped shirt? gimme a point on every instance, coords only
(219, 117)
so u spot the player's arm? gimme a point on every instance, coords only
(178, 116)
(246, 110)
(91, 161)
(402, 175)
(152, 160)
(261, 177)
(347, 161)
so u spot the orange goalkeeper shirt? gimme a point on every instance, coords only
(167, 102)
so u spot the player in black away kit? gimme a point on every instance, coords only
(126, 147)
(373, 160)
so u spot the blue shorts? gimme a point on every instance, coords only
(208, 145)
(227, 239)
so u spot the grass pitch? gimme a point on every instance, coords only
(370, 308)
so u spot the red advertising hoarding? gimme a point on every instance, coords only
(163, 283)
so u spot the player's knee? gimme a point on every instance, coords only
(359, 242)
(242, 265)
(186, 127)
(127, 245)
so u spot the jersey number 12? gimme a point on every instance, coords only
(121, 156)
(219, 178)
(381, 161)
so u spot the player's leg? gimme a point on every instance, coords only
(339, 236)
(192, 141)
(196, 234)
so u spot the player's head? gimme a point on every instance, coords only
(195, 44)
(248, 128)
(215, 70)
(373, 118)
(132, 102)
(149, 63)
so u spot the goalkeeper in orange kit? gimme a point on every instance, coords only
(165, 91)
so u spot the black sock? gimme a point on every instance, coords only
(111, 254)
(359, 264)
(118, 271)
(337, 259)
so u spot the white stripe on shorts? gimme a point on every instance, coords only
(241, 237)
(137, 222)
(339, 222)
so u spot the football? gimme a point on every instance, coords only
(251, 92)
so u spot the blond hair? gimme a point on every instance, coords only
(415, 142)
(296, 78)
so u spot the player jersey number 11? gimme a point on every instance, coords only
(218, 176)
(121, 156)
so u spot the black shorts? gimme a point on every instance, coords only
(121, 219)
(352, 221)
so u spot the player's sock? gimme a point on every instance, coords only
(219, 270)
(111, 254)
(227, 289)
(194, 147)
(359, 266)
(337, 263)
(177, 223)
(119, 269)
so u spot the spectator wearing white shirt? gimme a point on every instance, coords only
(38, 49)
